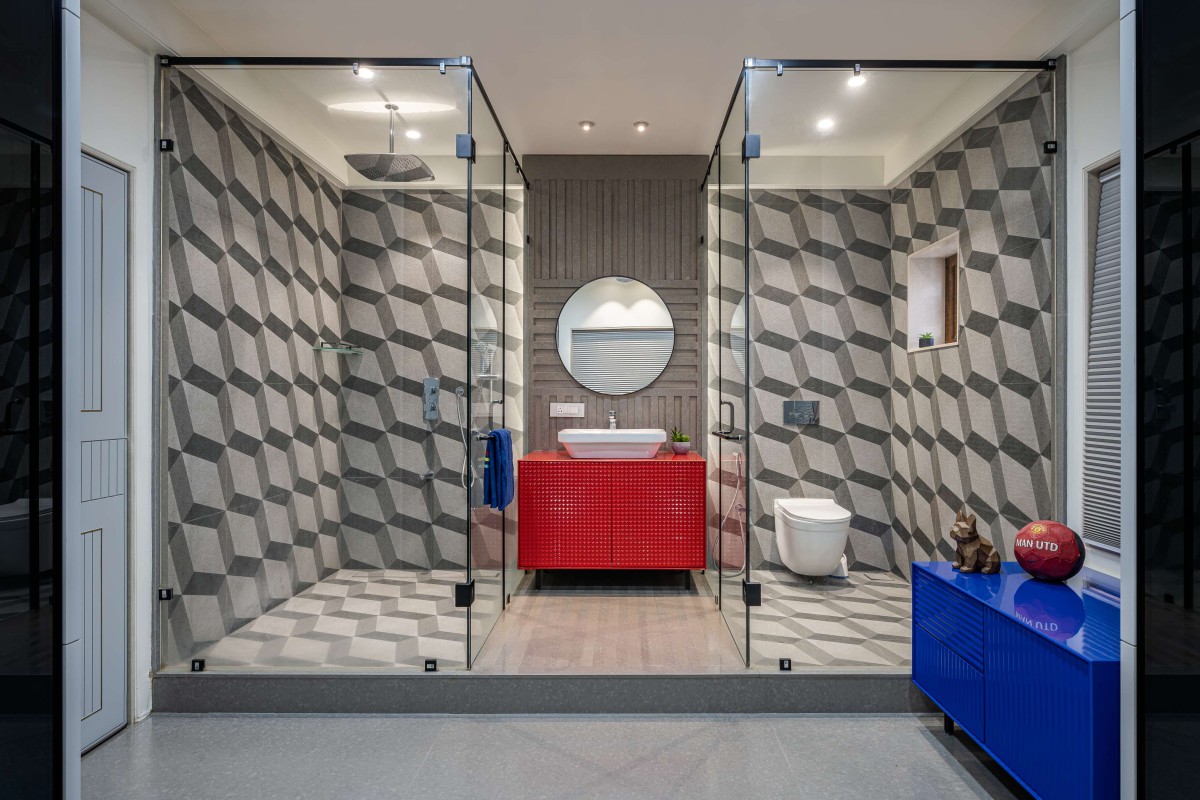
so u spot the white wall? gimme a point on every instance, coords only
(1093, 138)
(118, 125)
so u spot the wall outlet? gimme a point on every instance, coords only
(567, 410)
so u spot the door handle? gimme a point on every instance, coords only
(726, 433)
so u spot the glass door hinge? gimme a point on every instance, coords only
(464, 594)
(751, 593)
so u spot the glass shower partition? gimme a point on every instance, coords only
(487, 362)
(729, 544)
(890, 205)
(308, 309)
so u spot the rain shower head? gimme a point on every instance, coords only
(390, 166)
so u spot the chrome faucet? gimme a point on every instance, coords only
(612, 420)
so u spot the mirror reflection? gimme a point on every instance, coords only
(615, 335)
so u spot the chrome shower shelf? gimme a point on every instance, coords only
(344, 349)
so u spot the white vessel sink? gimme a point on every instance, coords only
(605, 443)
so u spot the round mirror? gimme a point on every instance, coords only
(615, 335)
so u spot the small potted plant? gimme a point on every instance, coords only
(925, 339)
(681, 443)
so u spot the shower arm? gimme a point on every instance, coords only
(391, 107)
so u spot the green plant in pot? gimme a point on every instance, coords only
(681, 443)
(925, 339)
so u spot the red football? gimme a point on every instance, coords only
(1049, 551)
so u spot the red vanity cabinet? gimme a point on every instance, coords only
(611, 513)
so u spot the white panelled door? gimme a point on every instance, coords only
(95, 329)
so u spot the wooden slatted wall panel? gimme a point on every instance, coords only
(643, 228)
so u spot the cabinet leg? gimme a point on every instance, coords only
(947, 724)
(687, 579)
(537, 579)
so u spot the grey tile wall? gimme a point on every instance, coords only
(820, 327)
(285, 464)
(904, 439)
(252, 418)
(974, 422)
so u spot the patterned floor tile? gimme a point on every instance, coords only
(862, 621)
(355, 619)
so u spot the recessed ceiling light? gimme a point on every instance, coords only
(858, 79)
(366, 73)
(587, 124)
(825, 124)
(402, 107)
(641, 126)
(413, 133)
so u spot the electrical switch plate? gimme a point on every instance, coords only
(567, 410)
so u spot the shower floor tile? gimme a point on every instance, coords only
(355, 618)
(862, 621)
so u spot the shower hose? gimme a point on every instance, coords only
(741, 509)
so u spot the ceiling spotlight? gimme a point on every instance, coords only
(859, 79)
(366, 73)
(641, 126)
(587, 124)
(413, 133)
(825, 124)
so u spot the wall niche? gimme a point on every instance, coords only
(933, 274)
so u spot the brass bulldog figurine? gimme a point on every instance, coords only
(974, 553)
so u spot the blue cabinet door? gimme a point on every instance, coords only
(1041, 714)
(950, 680)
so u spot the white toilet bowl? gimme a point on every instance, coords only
(812, 535)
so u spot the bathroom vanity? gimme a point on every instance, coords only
(611, 513)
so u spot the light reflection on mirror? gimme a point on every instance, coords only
(615, 335)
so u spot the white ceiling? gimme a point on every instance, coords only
(546, 65)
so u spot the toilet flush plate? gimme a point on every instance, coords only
(800, 412)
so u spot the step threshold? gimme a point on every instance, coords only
(808, 691)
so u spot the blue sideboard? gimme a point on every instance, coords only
(1029, 669)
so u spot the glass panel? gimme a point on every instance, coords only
(485, 385)
(728, 542)
(514, 351)
(28, 686)
(309, 310)
(947, 172)
(1170, 502)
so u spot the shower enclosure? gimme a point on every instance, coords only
(339, 333)
(853, 208)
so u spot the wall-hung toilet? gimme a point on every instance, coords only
(812, 535)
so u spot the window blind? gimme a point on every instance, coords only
(1102, 411)
(619, 361)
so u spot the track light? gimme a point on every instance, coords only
(366, 73)
(858, 79)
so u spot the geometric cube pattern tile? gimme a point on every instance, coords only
(252, 411)
(820, 330)
(904, 439)
(285, 464)
(973, 422)
(354, 619)
(404, 272)
(863, 621)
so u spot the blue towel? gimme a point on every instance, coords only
(498, 481)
